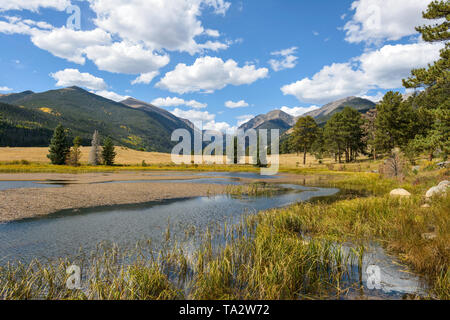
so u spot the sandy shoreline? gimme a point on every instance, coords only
(28, 203)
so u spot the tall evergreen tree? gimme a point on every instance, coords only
(94, 154)
(440, 31)
(352, 133)
(304, 135)
(434, 101)
(59, 147)
(394, 122)
(108, 153)
(333, 136)
(343, 134)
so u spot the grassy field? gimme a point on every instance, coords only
(35, 160)
(125, 156)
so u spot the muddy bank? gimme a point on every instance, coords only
(28, 203)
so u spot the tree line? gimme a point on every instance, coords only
(62, 152)
(419, 124)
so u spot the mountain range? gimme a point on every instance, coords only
(278, 119)
(29, 118)
(133, 123)
(275, 119)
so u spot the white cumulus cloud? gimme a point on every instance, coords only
(176, 102)
(145, 78)
(33, 5)
(110, 95)
(69, 44)
(375, 21)
(123, 57)
(5, 89)
(244, 119)
(208, 74)
(202, 119)
(287, 59)
(378, 69)
(170, 25)
(130, 36)
(73, 77)
(233, 105)
(298, 111)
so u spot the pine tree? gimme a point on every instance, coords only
(438, 32)
(394, 122)
(352, 133)
(59, 147)
(304, 135)
(343, 134)
(75, 152)
(108, 153)
(434, 101)
(94, 155)
(333, 136)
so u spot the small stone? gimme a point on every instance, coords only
(429, 236)
(426, 205)
(400, 193)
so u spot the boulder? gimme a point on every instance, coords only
(437, 191)
(400, 193)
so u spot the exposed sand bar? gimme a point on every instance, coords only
(28, 203)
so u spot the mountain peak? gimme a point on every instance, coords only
(275, 119)
(135, 103)
(148, 107)
(326, 112)
(74, 88)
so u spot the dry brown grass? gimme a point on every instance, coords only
(124, 155)
(127, 156)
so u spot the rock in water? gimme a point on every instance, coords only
(400, 193)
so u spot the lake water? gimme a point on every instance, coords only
(7, 185)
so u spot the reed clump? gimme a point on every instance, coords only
(254, 190)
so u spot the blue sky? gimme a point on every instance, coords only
(218, 62)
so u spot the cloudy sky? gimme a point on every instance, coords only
(215, 61)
